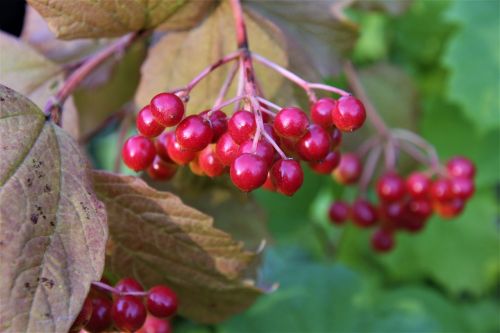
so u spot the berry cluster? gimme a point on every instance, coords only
(404, 204)
(130, 309)
(252, 146)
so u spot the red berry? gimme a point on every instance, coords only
(218, 122)
(335, 137)
(128, 284)
(291, 123)
(349, 114)
(263, 149)
(162, 302)
(268, 185)
(348, 170)
(269, 129)
(155, 325)
(382, 240)
(241, 126)
(209, 162)
(167, 109)
(83, 317)
(390, 187)
(100, 319)
(314, 145)
(326, 166)
(287, 176)
(420, 207)
(195, 166)
(194, 133)
(161, 146)
(450, 208)
(248, 172)
(393, 214)
(321, 111)
(161, 170)
(461, 167)
(418, 185)
(441, 190)
(339, 212)
(462, 188)
(129, 313)
(414, 223)
(138, 152)
(178, 154)
(226, 149)
(146, 123)
(363, 213)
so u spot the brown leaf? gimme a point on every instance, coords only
(179, 56)
(52, 227)
(105, 18)
(157, 239)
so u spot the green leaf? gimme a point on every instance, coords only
(473, 57)
(179, 56)
(52, 227)
(388, 6)
(157, 239)
(103, 18)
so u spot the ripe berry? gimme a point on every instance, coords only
(128, 284)
(462, 188)
(83, 317)
(349, 114)
(194, 133)
(138, 152)
(248, 172)
(326, 166)
(129, 313)
(161, 146)
(418, 185)
(100, 319)
(209, 162)
(382, 240)
(335, 137)
(441, 190)
(287, 176)
(321, 112)
(226, 149)
(414, 223)
(390, 187)
(218, 122)
(268, 185)
(146, 123)
(339, 212)
(162, 302)
(314, 145)
(178, 154)
(450, 208)
(263, 149)
(155, 325)
(363, 213)
(291, 123)
(269, 129)
(167, 109)
(461, 167)
(349, 169)
(420, 207)
(161, 170)
(241, 126)
(392, 213)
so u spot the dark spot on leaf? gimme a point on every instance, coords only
(34, 218)
(47, 188)
(47, 315)
(52, 223)
(29, 181)
(27, 285)
(2, 99)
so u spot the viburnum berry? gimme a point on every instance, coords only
(462, 188)
(392, 213)
(155, 325)
(128, 284)
(348, 170)
(287, 176)
(195, 167)
(100, 320)
(193, 133)
(248, 172)
(418, 185)
(262, 149)
(161, 170)
(161, 146)
(461, 167)
(321, 111)
(226, 149)
(315, 144)
(138, 152)
(167, 109)
(177, 153)
(421, 207)
(209, 162)
(129, 313)
(83, 317)
(349, 114)
(268, 185)
(414, 223)
(218, 123)
(335, 137)
(146, 123)
(241, 126)
(162, 301)
(382, 240)
(363, 213)
(339, 212)
(269, 129)
(291, 122)
(326, 165)
(390, 187)
(450, 208)
(440, 190)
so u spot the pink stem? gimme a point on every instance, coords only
(367, 145)
(326, 87)
(390, 155)
(369, 169)
(269, 103)
(227, 83)
(104, 286)
(226, 103)
(417, 140)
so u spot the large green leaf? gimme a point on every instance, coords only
(52, 227)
